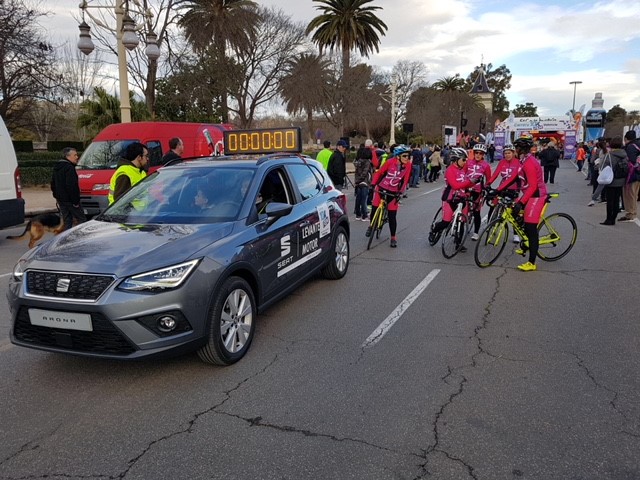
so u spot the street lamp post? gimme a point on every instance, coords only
(125, 38)
(575, 83)
(392, 135)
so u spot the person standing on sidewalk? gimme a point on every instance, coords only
(631, 187)
(336, 167)
(65, 188)
(325, 154)
(362, 181)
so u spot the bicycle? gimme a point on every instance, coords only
(557, 234)
(381, 217)
(456, 232)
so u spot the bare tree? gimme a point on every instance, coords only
(27, 62)
(263, 63)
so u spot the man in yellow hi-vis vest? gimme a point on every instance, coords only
(131, 170)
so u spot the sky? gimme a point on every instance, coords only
(545, 44)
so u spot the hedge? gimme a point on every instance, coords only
(22, 145)
(34, 176)
(57, 146)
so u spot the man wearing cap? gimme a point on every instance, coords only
(630, 189)
(337, 168)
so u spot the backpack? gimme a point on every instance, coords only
(621, 168)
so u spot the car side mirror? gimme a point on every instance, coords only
(275, 210)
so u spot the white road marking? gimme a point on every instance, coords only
(637, 221)
(428, 192)
(4, 275)
(394, 316)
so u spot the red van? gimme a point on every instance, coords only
(100, 159)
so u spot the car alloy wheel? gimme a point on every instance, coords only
(232, 323)
(338, 262)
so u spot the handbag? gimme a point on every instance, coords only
(605, 177)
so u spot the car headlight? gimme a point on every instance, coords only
(101, 186)
(163, 279)
(18, 270)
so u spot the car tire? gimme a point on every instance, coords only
(232, 317)
(338, 262)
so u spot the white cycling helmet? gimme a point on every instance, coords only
(480, 147)
(457, 153)
(508, 146)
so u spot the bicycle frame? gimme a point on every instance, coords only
(379, 219)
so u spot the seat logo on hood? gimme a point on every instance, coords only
(63, 285)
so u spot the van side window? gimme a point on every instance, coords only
(155, 153)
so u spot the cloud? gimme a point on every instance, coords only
(544, 44)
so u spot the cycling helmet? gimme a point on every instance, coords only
(508, 146)
(524, 143)
(400, 149)
(480, 147)
(457, 153)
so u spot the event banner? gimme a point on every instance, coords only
(499, 143)
(569, 144)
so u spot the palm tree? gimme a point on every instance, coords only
(219, 25)
(105, 110)
(303, 87)
(347, 25)
(449, 84)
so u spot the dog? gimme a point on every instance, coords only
(39, 225)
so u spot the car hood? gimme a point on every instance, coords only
(101, 247)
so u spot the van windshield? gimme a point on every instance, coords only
(103, 155)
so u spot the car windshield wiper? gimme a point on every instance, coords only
(112, 218)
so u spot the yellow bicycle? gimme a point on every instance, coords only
(381, 217)
(557, 234)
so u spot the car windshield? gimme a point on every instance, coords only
(103, 155)
(184, 196)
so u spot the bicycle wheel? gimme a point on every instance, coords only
(454, 236)
(557, 235)
(491, 243)
(433, 239)
(376, 226)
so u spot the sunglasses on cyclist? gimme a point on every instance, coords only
(404, 155)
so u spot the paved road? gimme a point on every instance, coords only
(485, 374)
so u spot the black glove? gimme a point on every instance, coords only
(517, 208)
(491, 192)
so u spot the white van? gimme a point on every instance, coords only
(11, 201)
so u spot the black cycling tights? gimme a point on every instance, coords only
(393, 222)
(531, 230)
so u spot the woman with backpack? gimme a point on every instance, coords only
(362, 180)
(617, 159)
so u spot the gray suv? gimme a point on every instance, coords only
(184, 261)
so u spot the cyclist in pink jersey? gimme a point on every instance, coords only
(533, 199)
(391, 180)
(477, 168)
(455, 191)
(507, 169)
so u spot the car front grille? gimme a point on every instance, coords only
(66, 285)
(104, 339)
